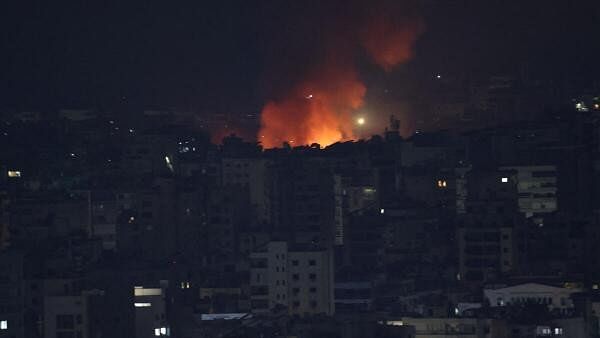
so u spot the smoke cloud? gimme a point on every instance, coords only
(319, 106)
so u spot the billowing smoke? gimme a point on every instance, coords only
(390, 33)
(319, 106)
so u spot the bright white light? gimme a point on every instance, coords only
(163, 330)
(382, 211)
(438, 76)
(395, 323)
(360, 121)
(580, 106)
(142, 304)
(3, 324)
(309, 96)
(169, 165)
(504, 179)
(157, 332)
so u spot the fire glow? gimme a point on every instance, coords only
(320, 107)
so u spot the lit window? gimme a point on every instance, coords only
(142, 304)
(382, 211)
(163, 331)
(395, 322)
(369, 190)
(558, 331)
(442, 183)
(157, 332)
(504, 179)
(14, 173)
(3, 324)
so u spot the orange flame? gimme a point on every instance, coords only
(319, 108)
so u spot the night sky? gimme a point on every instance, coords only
(233, 55)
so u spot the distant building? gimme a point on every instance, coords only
(351, 196)
(150, 312)
(552, 296)
(299, 281)
(453, 327)
(486, 252)
(11, 295)
(537, 188)
(66, 316)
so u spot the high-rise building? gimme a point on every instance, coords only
(295, 280)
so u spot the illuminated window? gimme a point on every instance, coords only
(14, 173)
(369, 190)
(382, 211)
(142, 304)
(558, 331)
(504, 179)
(442, 183)
(162, 331)
(3, 324)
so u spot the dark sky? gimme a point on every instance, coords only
(229, 55)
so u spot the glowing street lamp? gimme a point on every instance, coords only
(360, 121)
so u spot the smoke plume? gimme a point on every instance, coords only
(319, 106)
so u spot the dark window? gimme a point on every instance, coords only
(313, 290)
(312, 262)
(296, 276)
(296, 304)
(65, 322)
(295, 262)
(312, 277)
